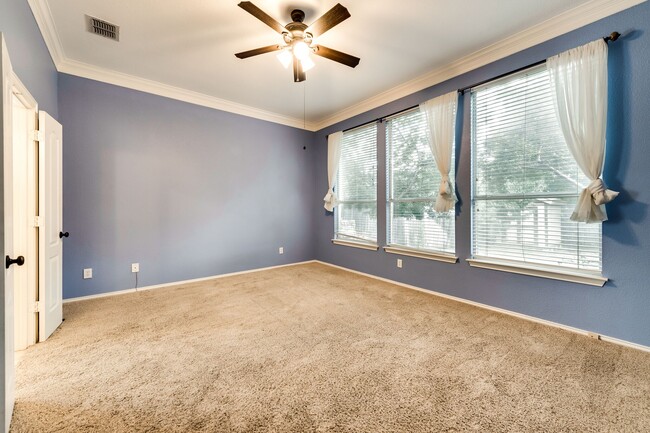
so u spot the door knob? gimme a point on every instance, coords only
(20, 260)
(64, 235)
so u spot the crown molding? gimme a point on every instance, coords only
(45, 22)
(96, 73)
(565, 22)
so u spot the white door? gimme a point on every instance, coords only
(25, 197)
(50, 236)
(7, 333)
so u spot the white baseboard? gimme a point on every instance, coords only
(497, 309)
(176, 283)
(408, 286)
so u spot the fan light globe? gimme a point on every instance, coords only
(285, 58)
(307, 64)
(301, 50)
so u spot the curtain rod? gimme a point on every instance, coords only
(382, 118)
(612, 37)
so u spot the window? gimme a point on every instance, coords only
(525, 181)
(356, 212)
(413, 184)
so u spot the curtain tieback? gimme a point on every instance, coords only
(600, 193)
(445, 187)
(446, 198)
(330, 200)
(330, 196)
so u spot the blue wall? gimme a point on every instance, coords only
(30, 58)
(184, 190)
(621, 308)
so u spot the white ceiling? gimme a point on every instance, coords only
(185, 49)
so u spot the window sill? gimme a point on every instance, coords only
(361, 245)
(585, 277)
(429, 255)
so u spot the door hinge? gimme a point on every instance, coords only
(37, 307)
(37, 221)
(38, 136)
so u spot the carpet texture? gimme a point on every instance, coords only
(311, 348)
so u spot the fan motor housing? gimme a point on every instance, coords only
(297, 16)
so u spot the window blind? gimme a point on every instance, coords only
(525, 181)
(413, 183)
(356, 213)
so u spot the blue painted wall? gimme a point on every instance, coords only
(186, 191)
(621, 308)
(29, 56)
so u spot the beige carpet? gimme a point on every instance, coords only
(311, 348)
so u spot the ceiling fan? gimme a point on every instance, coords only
(298, 39)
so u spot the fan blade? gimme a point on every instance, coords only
(337, 56)
(298, 73)
(258, 51)
(333, 17)
(262, 16)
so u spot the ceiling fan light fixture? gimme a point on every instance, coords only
(301, 50)
(307, 63)
(299, 39)
(285, 58)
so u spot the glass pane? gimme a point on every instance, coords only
(413, 183)
(356, 188)
(357, 177)
(536, 231)
(357, 222)
(414, 173)
(417, 225)
(519, 147)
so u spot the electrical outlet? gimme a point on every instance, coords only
(135, 267)
(281, 250)
(399, 263)
(88, 273)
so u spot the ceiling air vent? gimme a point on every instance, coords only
(103, 28)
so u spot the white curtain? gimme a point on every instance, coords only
(440, 114)
(579, 83)
(333, 157)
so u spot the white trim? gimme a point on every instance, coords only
(553, 273)
(45, 22)
(99, 295)
(86, 70)
(420, 254)
(565, 22)
(499, 310)
(177, 283)
(397, 283)
(8, 387)
(353, 244)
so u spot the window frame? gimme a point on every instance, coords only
(406, 250)
(557, 272)
(342, 238)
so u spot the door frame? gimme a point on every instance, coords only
(26, 320)
(7, 378)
